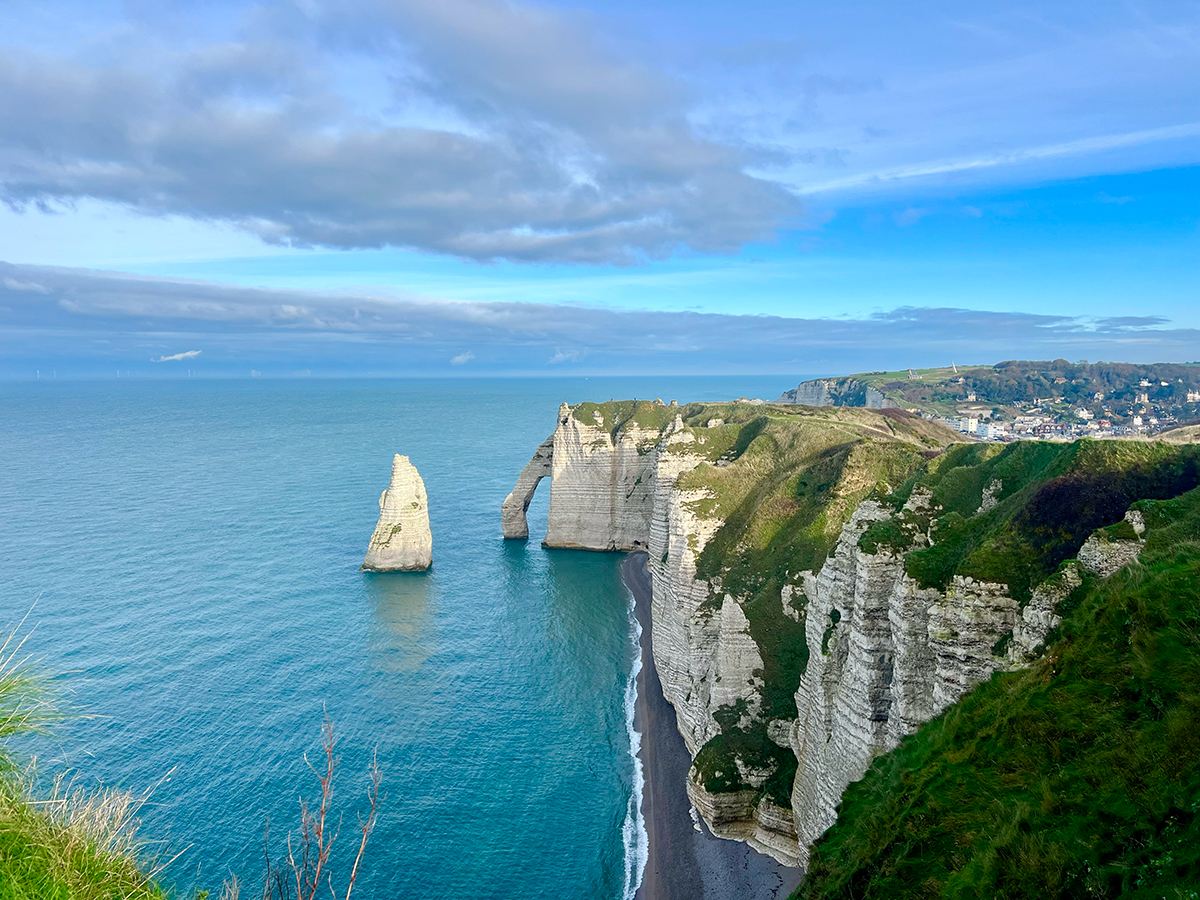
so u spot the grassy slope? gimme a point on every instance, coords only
(1078, 777)
(785, 480)
(42, 858)
(1051, 497)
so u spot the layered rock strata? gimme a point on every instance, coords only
(886, 655)
(602, 484)
(616, 488)
(402, 541)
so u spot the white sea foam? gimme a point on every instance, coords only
(633, 831)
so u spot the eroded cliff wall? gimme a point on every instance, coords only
(602, 482)
(827, 580)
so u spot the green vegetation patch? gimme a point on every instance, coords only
(1052, 497)
(1078, 777)
(59, 846)
(618, 415)
(717, 764)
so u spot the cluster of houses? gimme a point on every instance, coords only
(1047, 428)
(1142, 417)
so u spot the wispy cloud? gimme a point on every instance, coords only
(948, 166)
(910, 216)
(176, 357)
(462, 358)
(14, 285)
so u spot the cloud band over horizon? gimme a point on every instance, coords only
(90, 322)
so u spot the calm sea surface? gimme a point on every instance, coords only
(193, 548)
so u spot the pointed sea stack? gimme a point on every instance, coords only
(401, 542)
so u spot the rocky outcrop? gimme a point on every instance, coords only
(402, 541)
(1103, 554)
(886, 655)
(602, 485)
(1040, 615)
(746, 816)
(513, 522)
(837, 392)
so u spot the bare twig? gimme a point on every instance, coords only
(306, 862)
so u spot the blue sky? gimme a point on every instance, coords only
(731, 173)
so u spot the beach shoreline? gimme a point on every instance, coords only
(684, 861)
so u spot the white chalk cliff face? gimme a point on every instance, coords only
(885, 655)
(706, 658)
(402, 541)
(601, 490)
(621, 495)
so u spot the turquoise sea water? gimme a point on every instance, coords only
(193, 548)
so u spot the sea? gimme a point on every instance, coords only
(185, 555)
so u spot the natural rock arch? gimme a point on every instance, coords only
(512, 512)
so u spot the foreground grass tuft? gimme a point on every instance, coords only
(69, 845)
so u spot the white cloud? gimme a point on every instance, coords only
(562, 356)
(550, 145)
(13, 285)
(462, 358)
(175, 357)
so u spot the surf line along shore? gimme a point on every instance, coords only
(684, 860)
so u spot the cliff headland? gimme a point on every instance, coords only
(827, 580)
(1015, 399)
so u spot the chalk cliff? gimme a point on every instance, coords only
(602, 486)
(402, 541)
(826, 580)
(648, 475)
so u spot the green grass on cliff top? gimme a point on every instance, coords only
(1077, 777)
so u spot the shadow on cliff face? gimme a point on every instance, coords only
(401, 633)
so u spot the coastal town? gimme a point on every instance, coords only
(1020, 399)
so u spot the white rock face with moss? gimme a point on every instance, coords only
(602, 489)
(616, 486)
(402, 541)
(886, 656)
